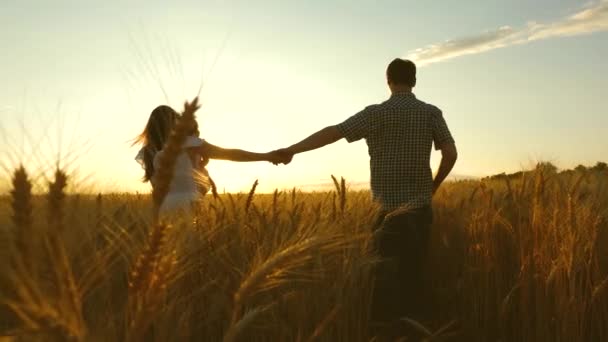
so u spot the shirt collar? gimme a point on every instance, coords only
(403, 94)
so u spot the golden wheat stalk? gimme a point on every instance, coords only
(71, 298)
(285, 261)
(237, 328)
(331, 316)
(56, 196)
(58, 318)
(148, 283)
(21, 202)
(144, 267)
(251, 195)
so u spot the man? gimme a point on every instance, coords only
(399, 133)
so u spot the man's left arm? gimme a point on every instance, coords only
(443, 140)
(448, 159)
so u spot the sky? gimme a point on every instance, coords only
(518, 81)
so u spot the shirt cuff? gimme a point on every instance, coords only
(345, 132)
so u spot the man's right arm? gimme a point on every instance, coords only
(448, 159)
(326, 136)
(354, 128)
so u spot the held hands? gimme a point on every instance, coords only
(281, 156)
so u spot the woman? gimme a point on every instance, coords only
(190, 178)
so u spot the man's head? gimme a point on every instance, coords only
(401, 75)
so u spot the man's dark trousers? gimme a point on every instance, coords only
(402, 242)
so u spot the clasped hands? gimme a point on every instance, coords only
(280, 156)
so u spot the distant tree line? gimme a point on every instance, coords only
(599, 166)
(550, 168)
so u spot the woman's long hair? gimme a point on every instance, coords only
(153, 138)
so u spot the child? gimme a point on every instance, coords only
(190, 178)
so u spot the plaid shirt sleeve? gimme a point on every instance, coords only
(357, 126)
(441, 132)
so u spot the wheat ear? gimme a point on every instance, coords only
(21, 201)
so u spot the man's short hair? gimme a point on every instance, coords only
(402, 72)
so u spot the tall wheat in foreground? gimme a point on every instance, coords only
(513, 258)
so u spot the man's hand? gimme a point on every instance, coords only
(435, 188)
(282, 156)
(327, 135)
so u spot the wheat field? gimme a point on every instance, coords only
(520, 258)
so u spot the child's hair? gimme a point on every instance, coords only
(153, 138)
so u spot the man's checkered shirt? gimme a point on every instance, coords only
(400, 133)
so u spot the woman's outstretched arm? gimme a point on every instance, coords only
(215, 152)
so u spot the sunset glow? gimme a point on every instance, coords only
(274, 72)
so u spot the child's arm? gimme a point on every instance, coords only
(237, 155)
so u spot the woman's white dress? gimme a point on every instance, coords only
(190, 181)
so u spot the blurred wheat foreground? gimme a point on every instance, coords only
(513, 258)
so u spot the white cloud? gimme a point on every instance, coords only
(593, 18)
